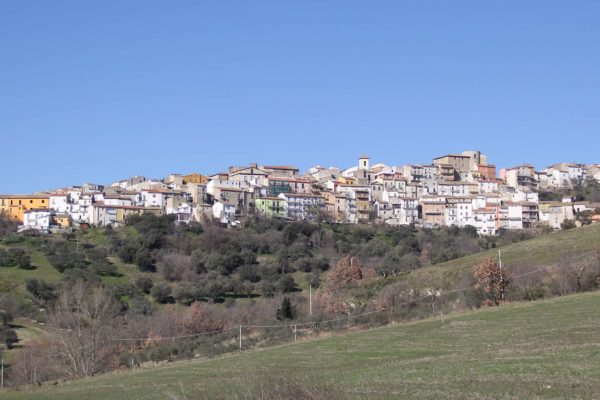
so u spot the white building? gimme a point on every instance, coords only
(38, 219)
(457, 189)
(488, 186)
(523, 195)
(558, 178)
(184, 213)
(521, 176)
(398, 211)
(302, 206)
(154, 198)
(515, 216)
(225, 213)
(59, 203)
(117, 201)
(484, 221)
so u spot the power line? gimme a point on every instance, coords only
(172, 337)
(313, 323)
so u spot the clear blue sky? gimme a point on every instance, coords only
(97, 91)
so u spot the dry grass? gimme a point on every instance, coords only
(269, 387)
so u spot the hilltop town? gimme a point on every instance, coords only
(453, 190)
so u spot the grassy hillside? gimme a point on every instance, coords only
(539, 252)
(544, 349)
(12, 279)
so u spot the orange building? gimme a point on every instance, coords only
(195, 178)
(487, 172)
(15, 205)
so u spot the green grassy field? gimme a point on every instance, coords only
(545, 349)
(12, 279)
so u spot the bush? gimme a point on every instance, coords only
(25, 262)
(41, 290)
(127, 253)
(162, 293)
(15, 257)
(266, 288)
(4, 259)
(186, 293)
(567, 224)
(144, 284)
(286, 284)
(286, 311)
(62, 257)
(104, 268)
(8, 336)
(249, 273)
(7, 225)
(140, 305)
(145, 261)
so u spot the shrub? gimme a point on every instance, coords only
(286, 284)
(161, 293)
(266, 288)
(186, 293)
(249, 273)
(145, 261)
(144, 284)
(40, 289)
(286, 311)
(25, 262)
(346, 270)
(127, 253)
(104, 268)
(567, 224)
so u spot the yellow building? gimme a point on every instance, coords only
(62, 220)
(15, 205)
(345, 180)
(194, 178)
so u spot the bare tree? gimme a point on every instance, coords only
(81, 321)
(32, 364)
(572, 273)
(597, 263)
(578, 271)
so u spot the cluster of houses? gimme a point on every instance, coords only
(455, 189)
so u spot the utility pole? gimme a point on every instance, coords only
(240, 338)
(501, 275)
(2, 374)
(295, 330)
(310, 299)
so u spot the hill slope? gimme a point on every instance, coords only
(539, 252)
(544, 349)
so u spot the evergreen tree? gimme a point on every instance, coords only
(286, 311)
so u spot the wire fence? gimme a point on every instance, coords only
(306, 327)
(320, 324)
